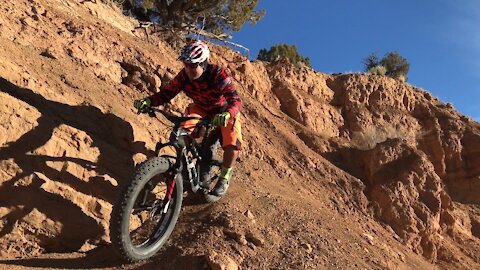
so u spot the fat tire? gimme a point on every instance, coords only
(119, 223)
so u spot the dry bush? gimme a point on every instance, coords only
(371, 136)
(378, 70)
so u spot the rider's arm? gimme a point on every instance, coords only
(224, 83)
(168, 92)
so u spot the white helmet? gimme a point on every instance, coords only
(195, 53)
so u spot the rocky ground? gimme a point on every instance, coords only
(344, 171)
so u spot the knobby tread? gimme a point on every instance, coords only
(144, 172)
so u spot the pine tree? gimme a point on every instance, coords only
(216, 16)
(371, 61)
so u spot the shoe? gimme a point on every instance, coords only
(220, 188)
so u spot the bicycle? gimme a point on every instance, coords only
(150, 205)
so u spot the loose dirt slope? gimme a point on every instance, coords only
(338, 172)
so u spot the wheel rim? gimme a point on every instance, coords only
(150, 216)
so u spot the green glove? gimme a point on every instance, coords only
(141, 104)
(221, 119)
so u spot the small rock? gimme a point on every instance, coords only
(154, 82)
(39, 10)
(240, 238)
(369, 238)
(86, 247)
(249, 214)
(28, 21)
(220, 261)
(308, 247)
(225, 221)
(49, 54)
(217, 233)
(242, 68)
(166, 77)
(257, 240)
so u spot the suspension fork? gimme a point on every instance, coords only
(171, 179)
(170, 187)
(174, 173)
(168, 195)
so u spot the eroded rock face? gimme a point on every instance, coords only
(408, 195)
(463, 168)
(305, 97)
(418, 159)
(415, 154)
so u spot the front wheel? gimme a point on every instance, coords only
(147, 211)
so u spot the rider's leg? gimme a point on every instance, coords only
(230, 154)
(231, 141)
(208, 151)
(193, 110)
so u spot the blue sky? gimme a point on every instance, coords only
(439, 38)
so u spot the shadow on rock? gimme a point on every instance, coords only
(110, 134)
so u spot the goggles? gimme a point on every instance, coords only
(191, 65)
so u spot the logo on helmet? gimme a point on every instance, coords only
(195, 53)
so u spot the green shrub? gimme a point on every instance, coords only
(283, 50)
(396, 66)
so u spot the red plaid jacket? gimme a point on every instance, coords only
(213, 91)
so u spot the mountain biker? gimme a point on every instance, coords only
(214, 96)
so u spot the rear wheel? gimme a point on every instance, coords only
(144, 218)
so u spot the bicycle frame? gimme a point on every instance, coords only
(187, 160)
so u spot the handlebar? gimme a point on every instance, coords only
(204, 121)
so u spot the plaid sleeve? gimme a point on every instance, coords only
(224, 83)
(170, 90)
